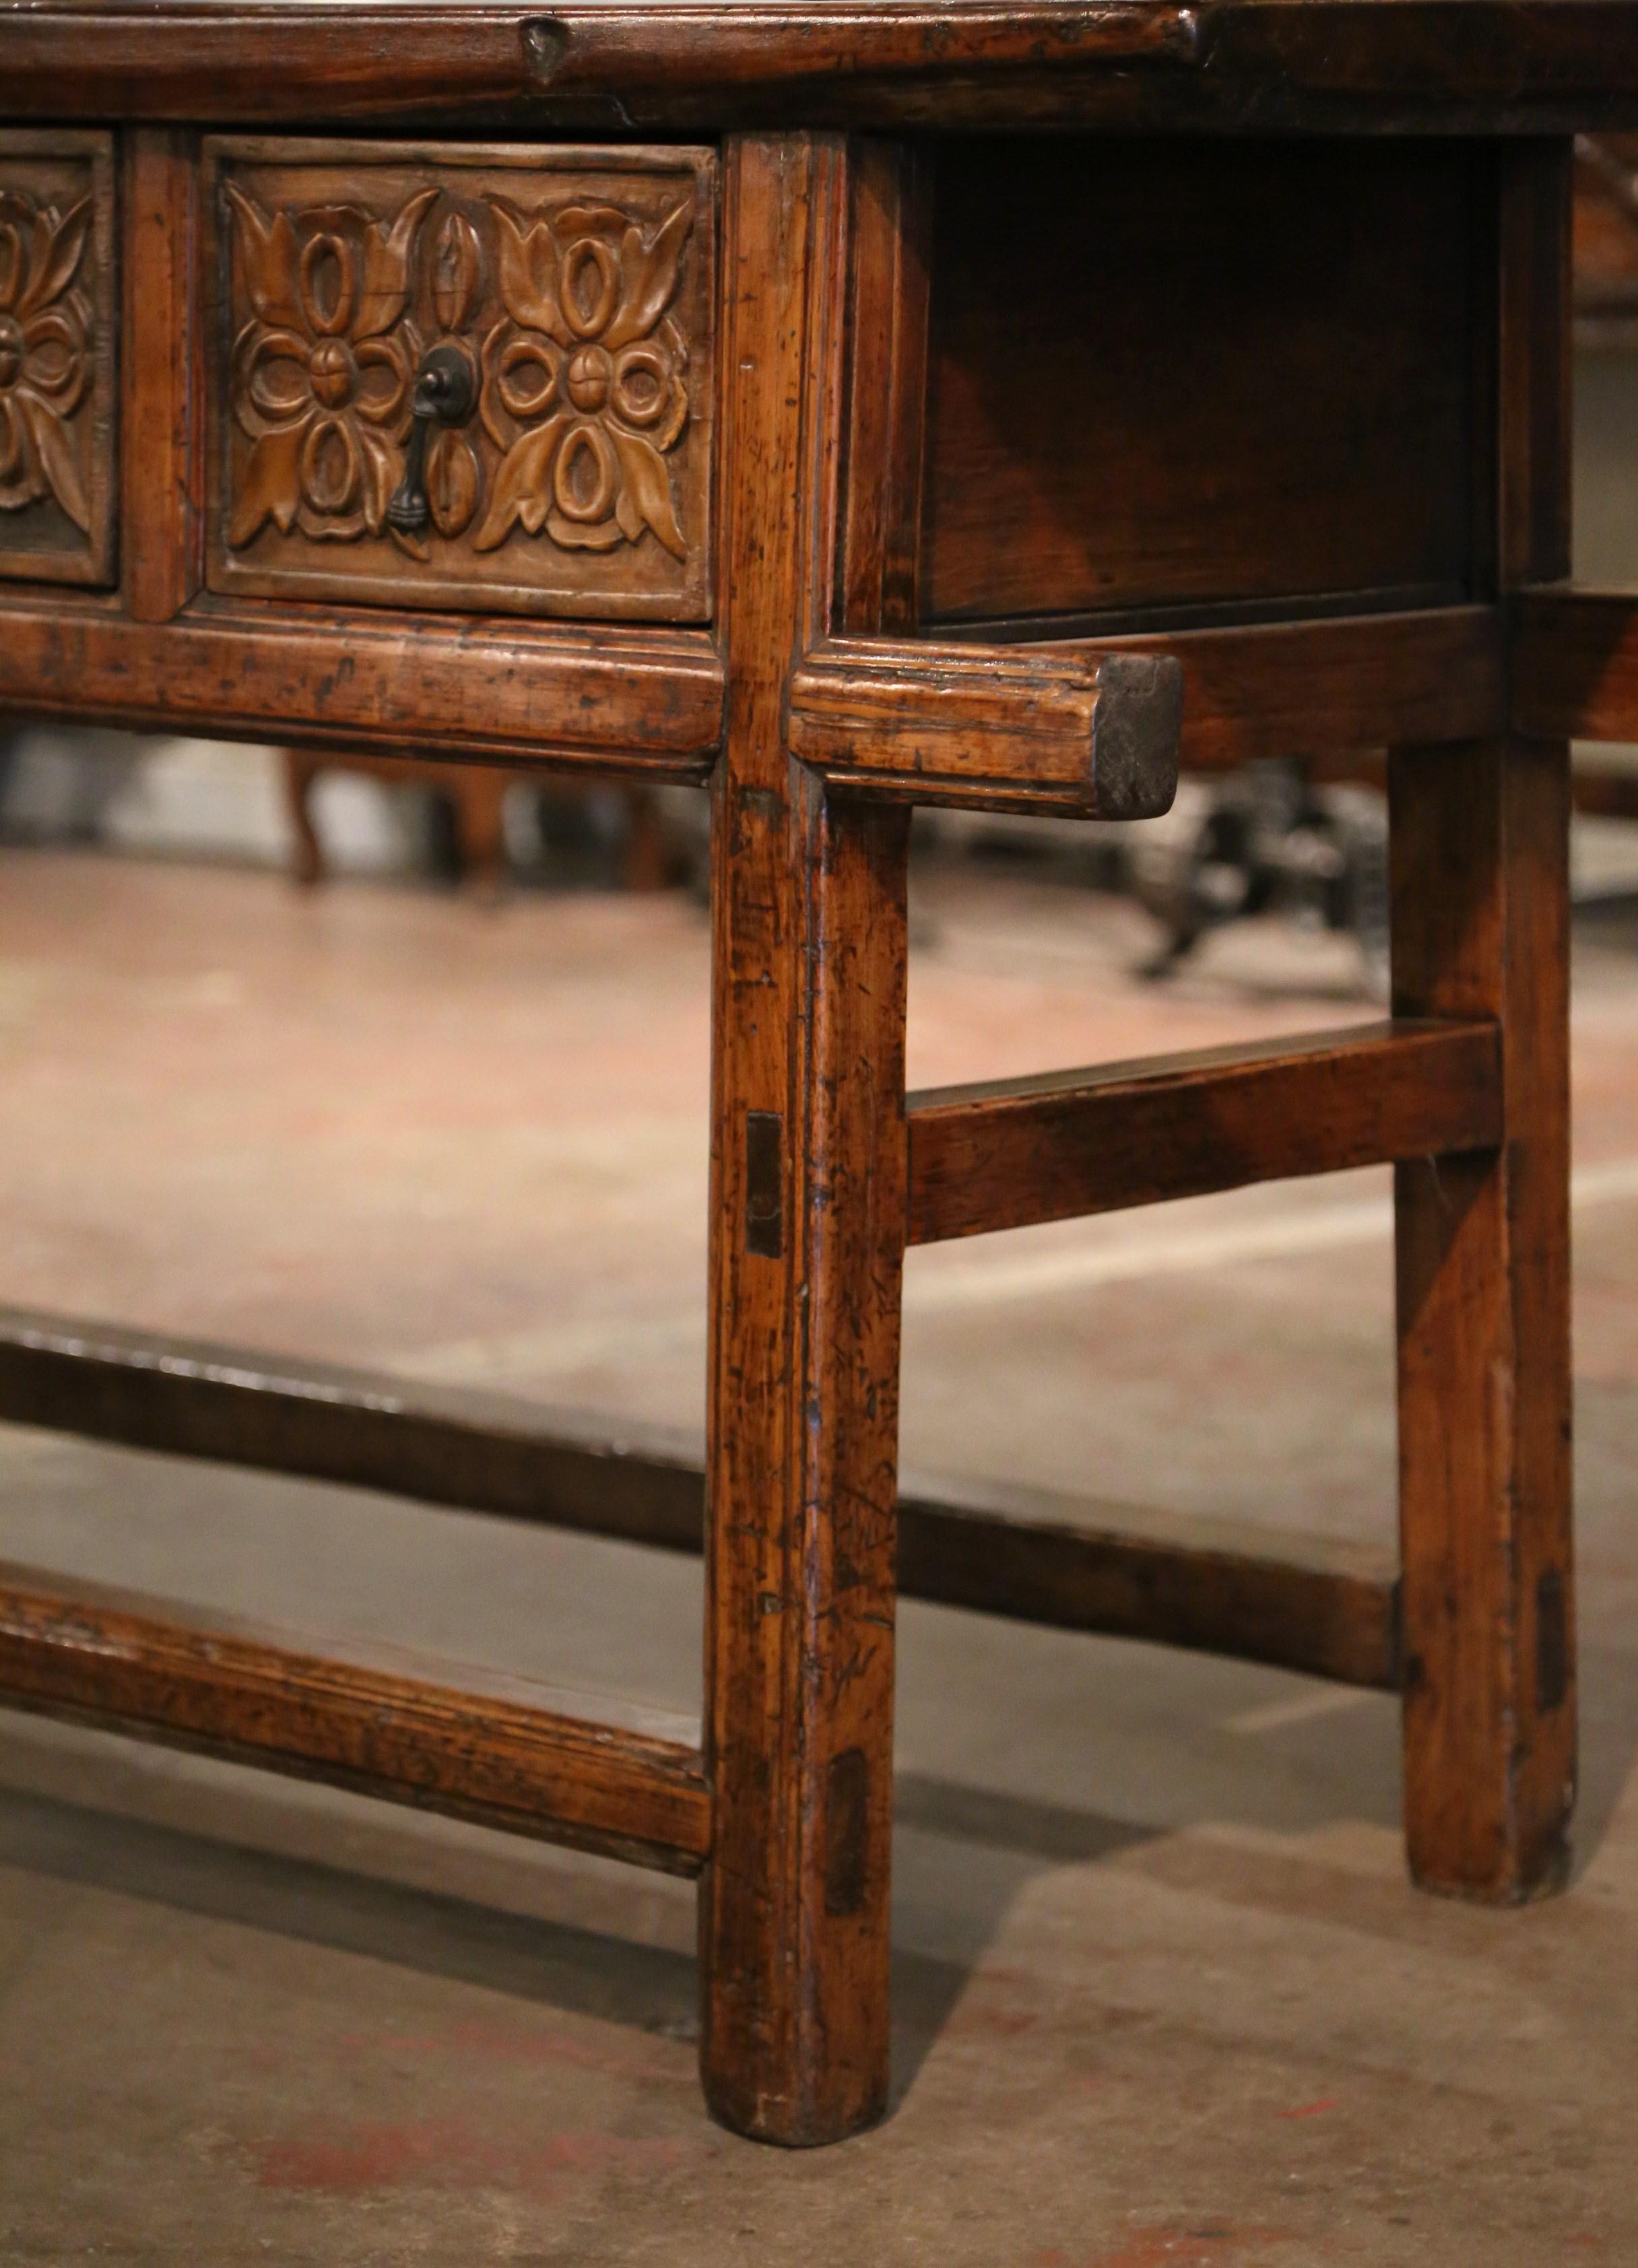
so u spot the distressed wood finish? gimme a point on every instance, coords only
(1331, 66)
(807, 1228)
(1020, 1151)
(1252, 690)
(1308, 1602)
(879, 564)
(58, 344)
(1480, 928)
(575, 286)
(475, 1452)
(643, 702)
(1062, 1561)
(162, 421)
(1004, 729)
(1250, 389)
(147, 1666)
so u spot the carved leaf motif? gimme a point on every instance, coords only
(581, 363)
(55, 364)
(271, 381)
(57, 457)
(523, 485)
(387, 251)
(383, 470)
(458, 273)
(268, 244)
(272, 488)
(48, 322)
(59, 245)
(384, 402)
(605, 221)
(647, 279)
(575, 535)
(648, 483)
(528, 272)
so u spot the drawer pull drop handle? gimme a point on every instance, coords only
(445, 393)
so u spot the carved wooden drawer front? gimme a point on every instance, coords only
(560, 463)
(56, 357)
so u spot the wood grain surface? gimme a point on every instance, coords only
(59, 350)
(576, 287)
(1004, 728)
(646, 703)
(1480, 854)
(1069, 1563)
(151, 1666)
(1015, 1152)
(1167, 373)
(1252, 690)
(162, 398)
(1330, 66)
(807, 1223)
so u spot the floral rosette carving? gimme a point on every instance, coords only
(323, 374)
(45, 353)
(582, 390)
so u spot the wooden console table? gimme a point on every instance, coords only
(758, 395)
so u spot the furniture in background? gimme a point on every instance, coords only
(933, 402)
(1308, 836)
(476, 795)
(1606, 241)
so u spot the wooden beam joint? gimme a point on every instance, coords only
(1574, 662)
(1005, 728)
(1012, 1152)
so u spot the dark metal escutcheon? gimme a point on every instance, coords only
(445, 393)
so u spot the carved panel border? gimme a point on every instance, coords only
(58, 357)
(563, 298)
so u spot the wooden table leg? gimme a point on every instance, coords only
(301, 771)
(480, 799)
(1479, 848)
(1480, 863)
(645, 855)
(808, 1220)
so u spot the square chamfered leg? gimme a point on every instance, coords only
(1481, 927)
(808, 1214)
(1480, 856)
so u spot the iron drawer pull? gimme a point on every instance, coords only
(445, 393)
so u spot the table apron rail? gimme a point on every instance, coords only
(644, 702)
(1084, 727)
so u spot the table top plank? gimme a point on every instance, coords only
(1503, 66)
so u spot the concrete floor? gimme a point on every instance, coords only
(1163, 1996)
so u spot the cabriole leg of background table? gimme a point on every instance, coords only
(807, 1227)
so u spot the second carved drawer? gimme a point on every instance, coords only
(462, 378)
